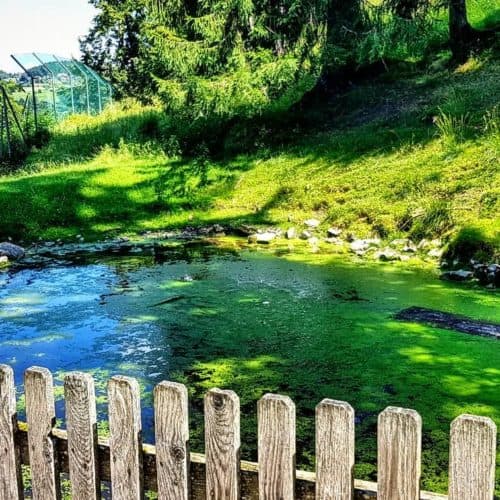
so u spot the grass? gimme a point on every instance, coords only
(413, 157)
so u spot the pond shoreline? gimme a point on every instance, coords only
(402, 252)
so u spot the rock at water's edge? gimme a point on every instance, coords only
(11, 251)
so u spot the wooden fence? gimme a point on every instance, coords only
(176, 474)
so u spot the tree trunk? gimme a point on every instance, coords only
(462, 34)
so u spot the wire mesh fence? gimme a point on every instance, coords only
(47, 89)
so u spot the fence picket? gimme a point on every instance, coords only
(334, 450)
(40, 413)
(276, 447)
(399, 454)
(11, 487)
(172, 435)
(472, 458)
(177, 474)
(125, 438)
(81, 422)
(222, 444)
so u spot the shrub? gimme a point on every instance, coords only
(474, 242)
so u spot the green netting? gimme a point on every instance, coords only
(60, 86)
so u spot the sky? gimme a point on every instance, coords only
(50, 26)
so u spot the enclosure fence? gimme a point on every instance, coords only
(60, 86)
(174, 473)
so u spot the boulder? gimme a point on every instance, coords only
(388, 255)
(401, 242)
(334, 232)
(460, 275)
(11, 251)
(312, 223)
(291, 233)
(334, 241)
(305, 235)
(4, 261)
(359, 246)
(409, 248)
(424, 244)
(262, 238)
(364, 245)
(436, 253)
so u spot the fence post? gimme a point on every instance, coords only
(334, 450)
(125, 438)
(472, 458)
(276, 447)
(172, 435)
(222, 444)
(40, 413)
(399, 454)
(81, 422)
(11, 486)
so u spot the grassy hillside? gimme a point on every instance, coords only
(416, 155)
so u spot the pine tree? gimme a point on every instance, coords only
(235, 57)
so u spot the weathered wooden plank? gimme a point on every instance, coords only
(472, 458)
(81, 422)
(304, 484)
(222, 444)
(172, 435)
(10, 464)
(40, 413)
(334, 450)
(276, 447)
(125, 438)
(399, 454)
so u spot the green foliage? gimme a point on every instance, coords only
(478, 242)
(388, 173)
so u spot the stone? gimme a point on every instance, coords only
(291, 233)
(388, 255)
(218, 229)
(334, 241)
(11, 251)
(423, 244)
(374, 242)
(401, 242)
(4, 261)
(262, 238)
(359, 246)
(305, 235)
(312, 223)
(334, 232)
(410, 248)
(313, 241)
(460, 275)
(364, 245)
(435, 253)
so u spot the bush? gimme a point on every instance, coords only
(474, 242)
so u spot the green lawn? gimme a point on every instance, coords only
(416, 157)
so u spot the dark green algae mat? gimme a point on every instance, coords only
(308, 326)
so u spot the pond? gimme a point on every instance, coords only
(309, 326)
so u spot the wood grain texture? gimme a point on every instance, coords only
(334, 450)
(10, 462)
(81, 422)
(172, 435)
(472, 458)
(222, 444)
(125, 438)
(304, 484)
(40, 413)
(399, 454)
(276, 447)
